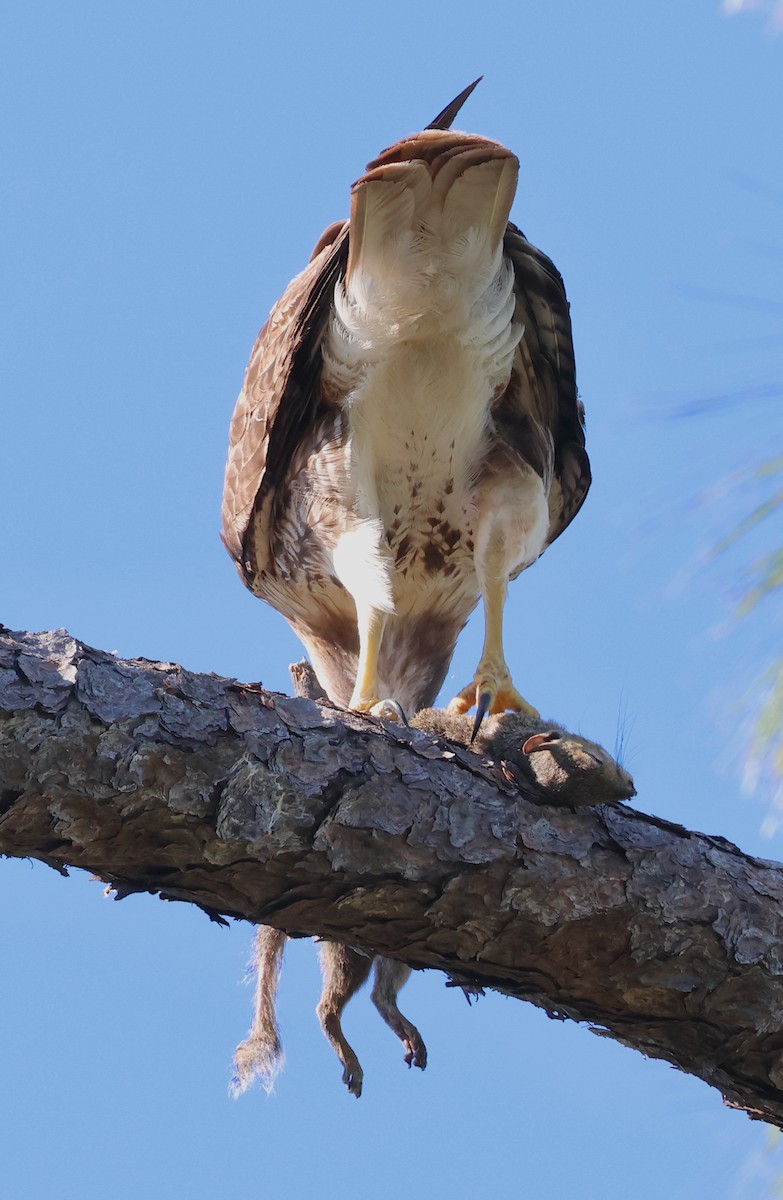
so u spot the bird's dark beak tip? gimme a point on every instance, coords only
(445, 118)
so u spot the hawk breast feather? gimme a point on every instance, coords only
(539, 414)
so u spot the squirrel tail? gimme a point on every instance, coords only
(260, 1056)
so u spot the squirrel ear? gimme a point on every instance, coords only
(540, 741)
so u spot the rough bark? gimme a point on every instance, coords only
(318, 821)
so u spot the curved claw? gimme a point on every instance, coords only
(483, 703)
(389, 710)
(415, 1053)
(353, 1080)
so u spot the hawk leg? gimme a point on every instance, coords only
(366, 692)
(366, 689)
(491, 689)
(363, 566)
(511, 533)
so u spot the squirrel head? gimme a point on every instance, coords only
(564, 767)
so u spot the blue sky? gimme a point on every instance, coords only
(168, 167)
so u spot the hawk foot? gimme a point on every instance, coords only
(389, 710)
(491, 694)
(384, 710)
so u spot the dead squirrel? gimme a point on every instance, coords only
(563, 767)
(566, 768)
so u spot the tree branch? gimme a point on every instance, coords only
(317, 821)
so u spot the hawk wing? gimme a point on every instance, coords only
(280, 399)
(540, 413)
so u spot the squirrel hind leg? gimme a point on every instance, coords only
(344, 971)
(390, 976)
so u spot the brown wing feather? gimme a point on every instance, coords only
(540, 412)
(280, 400)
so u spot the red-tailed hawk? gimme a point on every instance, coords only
(408, 437)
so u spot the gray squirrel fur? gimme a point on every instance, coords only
(563, 767)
